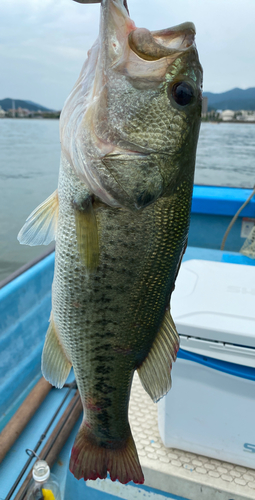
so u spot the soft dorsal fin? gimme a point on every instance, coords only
(155, 371)
(40, 226)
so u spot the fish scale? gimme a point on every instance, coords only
(139, 296)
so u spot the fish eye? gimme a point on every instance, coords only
(182, 93)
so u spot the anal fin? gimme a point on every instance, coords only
(155, 371)
(87, 233)
(40, 226)
(55, 365)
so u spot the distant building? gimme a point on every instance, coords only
(204, 106)
(22, 112)
(241, 115)
(13, 108)
(247, 116)
(2, 112)
(228, 115)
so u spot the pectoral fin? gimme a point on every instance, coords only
(40, 226)
(155, 371)
(55, 365)
(87, 233)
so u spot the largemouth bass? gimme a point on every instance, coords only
(120, 217)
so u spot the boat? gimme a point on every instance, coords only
(175, 473)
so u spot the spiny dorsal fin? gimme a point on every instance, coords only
(40, 226)
(55, 365)
(87, 233)
(155, 371)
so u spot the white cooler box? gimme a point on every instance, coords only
(210, 409)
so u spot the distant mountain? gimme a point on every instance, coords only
(234, 99)
(31, 106)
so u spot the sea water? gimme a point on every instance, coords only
(29, 164)
(226, 155)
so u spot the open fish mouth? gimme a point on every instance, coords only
(179, 37)
(154, 45)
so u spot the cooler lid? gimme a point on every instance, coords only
(221, 351)
(215, 301)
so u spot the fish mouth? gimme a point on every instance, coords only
(179, 37)
(154, 45)
(142, 55)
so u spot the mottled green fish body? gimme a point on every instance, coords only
(120, 217)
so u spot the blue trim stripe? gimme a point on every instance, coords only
(223, 366)
(221, 200)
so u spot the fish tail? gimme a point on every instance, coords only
(89, 460)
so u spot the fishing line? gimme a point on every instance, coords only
(234, 219)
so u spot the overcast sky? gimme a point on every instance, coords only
(43, 43)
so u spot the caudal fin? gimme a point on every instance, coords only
(91, 461)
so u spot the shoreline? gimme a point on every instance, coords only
(248, 122)
(29, 118)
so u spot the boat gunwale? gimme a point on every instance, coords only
(21, 270)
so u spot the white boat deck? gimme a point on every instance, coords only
(177, 472)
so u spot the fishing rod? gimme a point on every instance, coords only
(39, 442)
(56, 440)
(23, 415)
